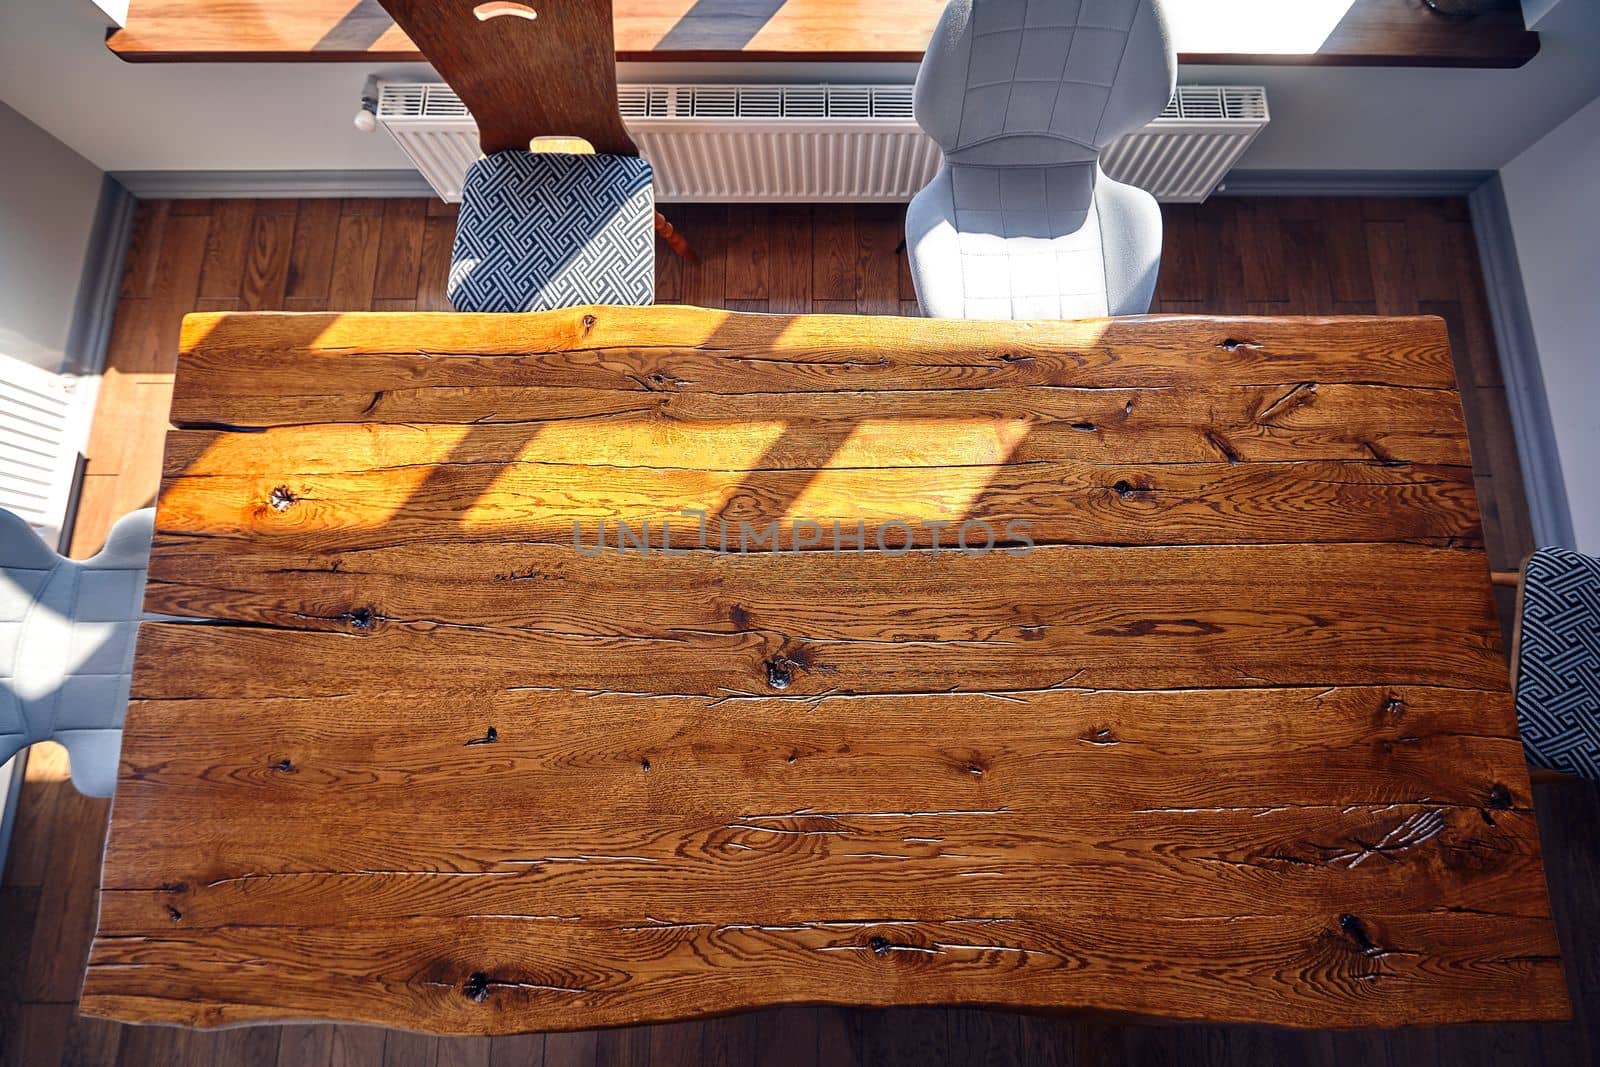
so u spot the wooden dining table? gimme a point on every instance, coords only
(607, 665)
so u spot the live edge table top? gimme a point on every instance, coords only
(1217, 729)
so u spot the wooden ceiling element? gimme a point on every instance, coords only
(1372, 33)
(524, 72)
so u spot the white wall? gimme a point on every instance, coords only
(55, 69)
(1534, 11)
(48, 197)
(1553, 197)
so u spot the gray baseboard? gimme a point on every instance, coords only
(96, 305)
(190, 184)
(1353, 182)
(195, 184)
(1519, 366)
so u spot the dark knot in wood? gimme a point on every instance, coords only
(779, 676)
(1123, 489)
(1160, 628)
(1103, 735)
(588, 323)
(880, 946)
(282, 498)
(1084, 427)
(361, 618)
(476, 987)
(1356, 931)
(284, 765)
(489, 738)
(1499, 797)
(644, 765)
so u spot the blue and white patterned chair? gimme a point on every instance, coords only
(541, 230)
(545, 230)
(67, 630)
(1556, 661)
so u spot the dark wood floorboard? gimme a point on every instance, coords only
(1268, 256)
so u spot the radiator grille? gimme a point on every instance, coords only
(41, 431)
(773, 143)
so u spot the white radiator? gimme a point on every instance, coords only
(817, 143)
(43, 428)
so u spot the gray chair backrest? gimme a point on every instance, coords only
(67, 630)
(1042, 81)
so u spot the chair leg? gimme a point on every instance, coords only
(675, 240)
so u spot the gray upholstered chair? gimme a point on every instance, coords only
(1019, 222)
(67, 631)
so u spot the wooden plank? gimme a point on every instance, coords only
(770, 621)
(266, 272)
(438, 239)
(226, 249)
(311, 254)
(234, 367)
(144, 335)
(1447, 964)
(620, 427)
(1229, 843)
(1372, 32)
(305, 1046)
(973, 507)
(355, 259)
(144, 249)
(400, 250)
(1124, 751)
(789, 269)
(748, 254)
(702, 280)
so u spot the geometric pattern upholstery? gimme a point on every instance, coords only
(1558, 661)
(545, 230)
(67, 630)
(1022, 95)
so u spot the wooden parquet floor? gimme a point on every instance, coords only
(1259, 256)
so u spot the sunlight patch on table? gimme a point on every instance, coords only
(653, 469)
(911, 470)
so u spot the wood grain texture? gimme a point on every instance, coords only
(1103, 617)
(1228, 738)
(1372, 33)
(552, 75)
